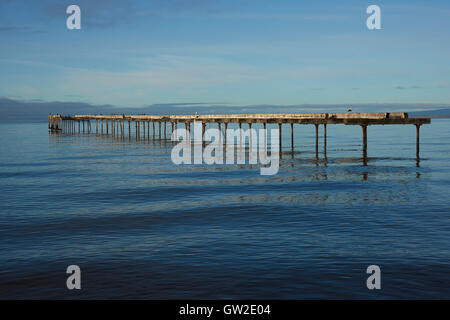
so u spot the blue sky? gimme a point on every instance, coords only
(247, 52)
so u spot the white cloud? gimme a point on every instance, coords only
(177, 73)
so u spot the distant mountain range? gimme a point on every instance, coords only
(439, 113)
(37, 111)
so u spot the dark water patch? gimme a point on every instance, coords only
(141, 227)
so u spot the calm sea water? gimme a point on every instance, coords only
(141, 227)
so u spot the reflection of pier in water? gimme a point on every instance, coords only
(117, 125)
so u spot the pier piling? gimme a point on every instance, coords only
(417, 140)
(317, 138)
(279, 137)
(364, 137)
(292, 138)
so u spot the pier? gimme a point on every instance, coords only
(122, 125)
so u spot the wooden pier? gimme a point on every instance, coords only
(121, 125)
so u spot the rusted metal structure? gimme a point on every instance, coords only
(116, 124)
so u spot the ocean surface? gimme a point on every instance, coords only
(140, 226)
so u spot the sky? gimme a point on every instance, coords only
(230, 52)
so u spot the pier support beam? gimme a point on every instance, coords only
(203, 134)
(279, 137)
(153, 124)
(143, 125)
(136, 129)
(240, 134)
(317, 139)
(364, 134)
(250, 137)
(165, 130)
(292, 138)
(188, 125)
(225, 134)
(175, 123)
(265, 135)
(417, 140)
